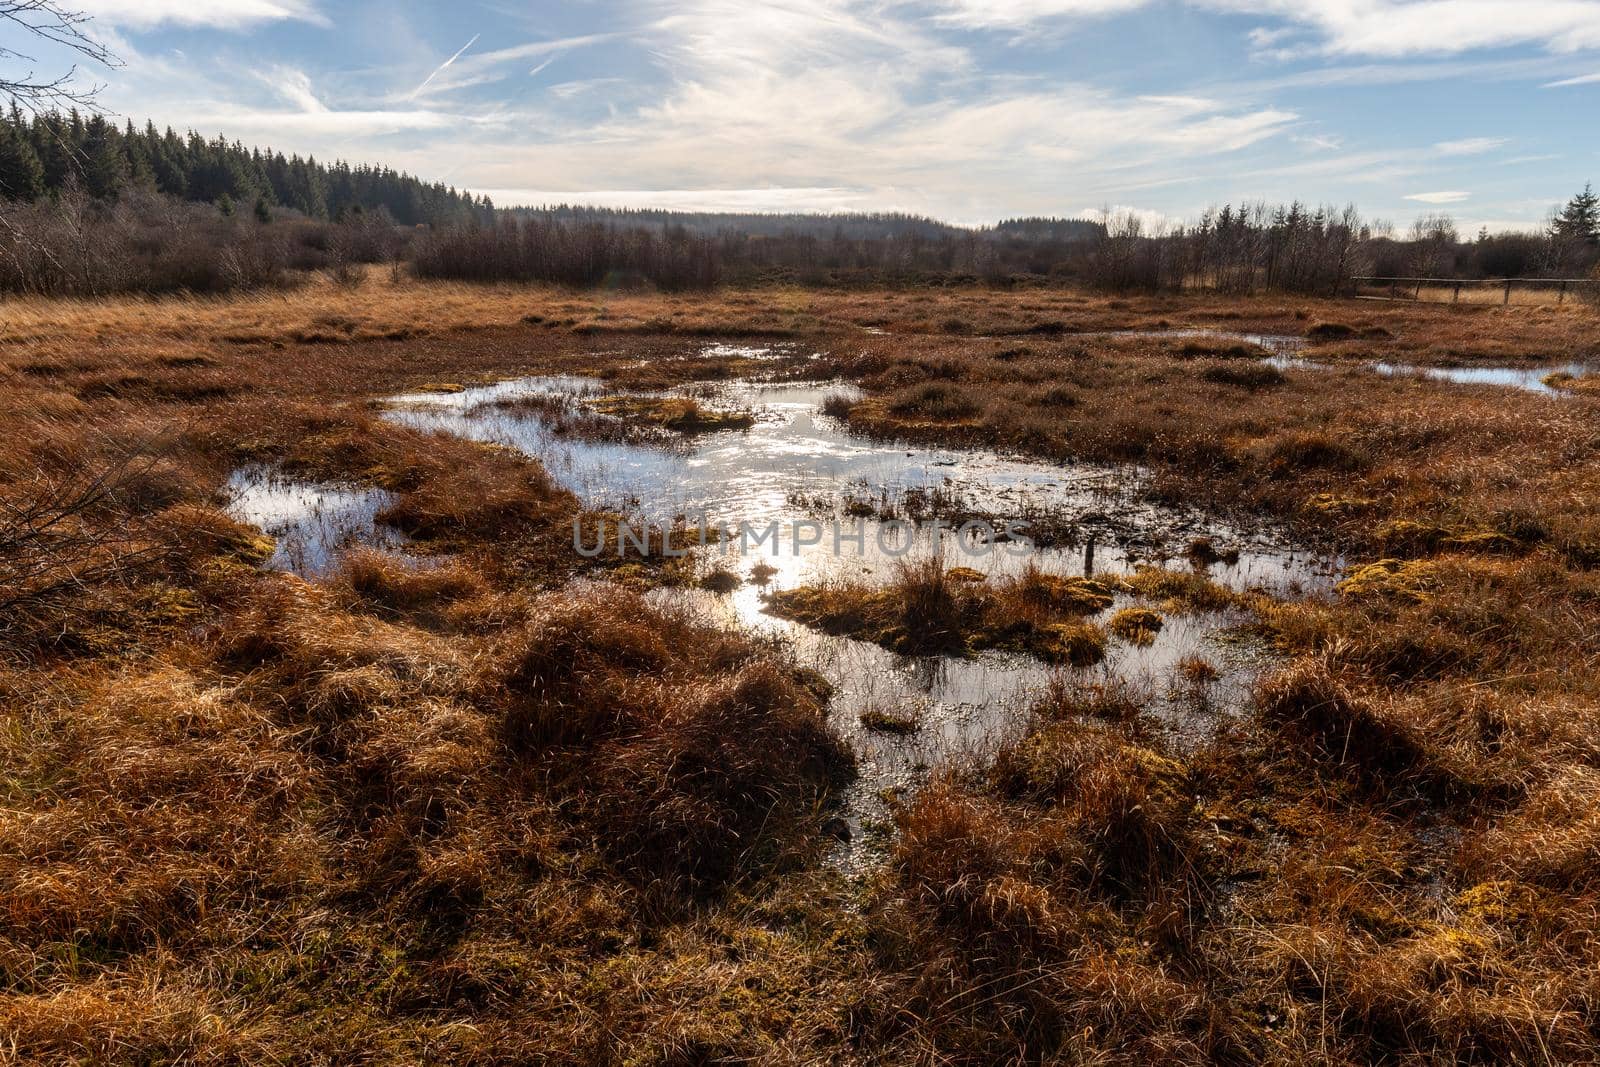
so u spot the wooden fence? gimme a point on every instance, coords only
(1373, 288)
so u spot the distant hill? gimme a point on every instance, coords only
(1051, 229)
(849, 226)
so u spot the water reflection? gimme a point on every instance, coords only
(312, 522)
(798, 466)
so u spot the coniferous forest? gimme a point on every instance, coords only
(48, 153)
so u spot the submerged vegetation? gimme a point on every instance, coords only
(679, 414)
(475, 798)
(926, 608)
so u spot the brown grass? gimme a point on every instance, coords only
(928, 609)
(452, 807)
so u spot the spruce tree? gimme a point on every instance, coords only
(21, 173)
(1579, 221)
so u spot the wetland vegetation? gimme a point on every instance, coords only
(321, 741)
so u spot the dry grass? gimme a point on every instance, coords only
(928, 609)
(458, 808)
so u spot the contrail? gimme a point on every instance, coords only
(429, 79)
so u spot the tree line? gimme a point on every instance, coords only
(47, 153)
(88, 207)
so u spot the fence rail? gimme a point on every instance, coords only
(1399, 288)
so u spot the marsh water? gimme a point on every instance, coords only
(312, 522)
(1286, 354)
(797, 469)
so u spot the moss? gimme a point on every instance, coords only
(1409, 536)
(1334, 506)
(1508, 904)
(1403, 579)
(1137, 626)
(1485, 541)
(441, 387)
(1076, 596)
(1181, 590)
(898, 721)
(1079, 644)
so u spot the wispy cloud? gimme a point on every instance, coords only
(1446, 197)
(244, 121)
(569, 90)
(1318, 142)
(217, 14)
(1585, 79)
(295, 87)
(1012, 14)
(924, 105)
(1470, 146)
(482, 68)
(838, 94)
(1420, 27)
(1390, 28)
(442, 67)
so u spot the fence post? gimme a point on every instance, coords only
(1507, 299)
(1457, 298)
(1562, 299)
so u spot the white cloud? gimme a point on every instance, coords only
(785, 104)
(1470, 146)
(826, 105)
(1011, 14)
(1263, 37)
(215, 14)
(1318, 142)
(295, 87)
(244, 122)
(1390, 28)
(1586, 79)
(1413, 27)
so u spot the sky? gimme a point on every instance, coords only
(965, 110)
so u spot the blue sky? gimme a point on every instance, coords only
(966, 110)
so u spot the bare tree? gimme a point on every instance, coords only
(48, 22)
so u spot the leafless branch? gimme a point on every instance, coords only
(56, 535)
(48, 21)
